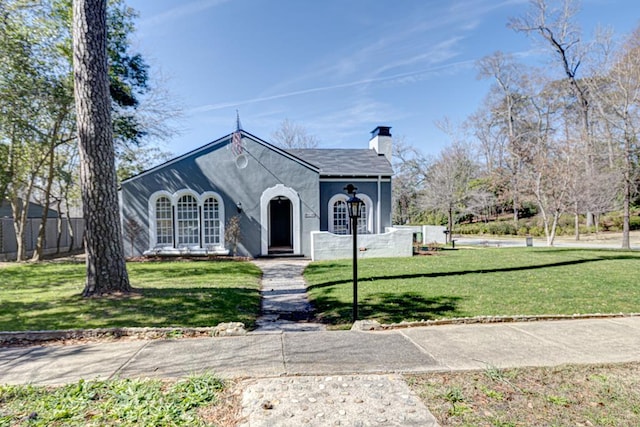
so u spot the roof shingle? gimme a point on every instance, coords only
(345, 161)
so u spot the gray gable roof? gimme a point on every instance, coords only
(219, 142)
(345, 162)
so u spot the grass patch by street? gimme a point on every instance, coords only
(122, 402)
(478, 282)
(47, 296)
(603, 395)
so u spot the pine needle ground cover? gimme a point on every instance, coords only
(478, 282)
(47, 296)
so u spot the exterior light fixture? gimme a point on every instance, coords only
(239, 207)
(354, 207)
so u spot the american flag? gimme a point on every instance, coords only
(236, 140)
(236, 143)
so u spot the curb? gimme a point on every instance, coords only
(37, 337)
(228, 329)
(503, 319)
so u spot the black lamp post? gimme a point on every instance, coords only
(354, 205)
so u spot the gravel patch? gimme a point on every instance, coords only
(347, 400)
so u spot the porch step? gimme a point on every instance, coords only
(281, 255)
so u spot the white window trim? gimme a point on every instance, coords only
(177, 196)
(344, 197)
(331, 216)
(174, 197)
(153, 234)
(204, 196)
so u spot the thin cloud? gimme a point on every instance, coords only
(185, 9)
(396, 77)
(398, 47)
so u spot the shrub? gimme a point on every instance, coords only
(536, 231)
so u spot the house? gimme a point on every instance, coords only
(280, 196)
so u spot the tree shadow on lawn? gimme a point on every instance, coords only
(387, 308)
(477, 271)
(146, 307)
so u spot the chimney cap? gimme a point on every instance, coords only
(381, 131)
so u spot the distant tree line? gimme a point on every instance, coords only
(559, 139)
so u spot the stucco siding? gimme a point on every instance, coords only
(329, 188)
(217, 169)
(393, 243)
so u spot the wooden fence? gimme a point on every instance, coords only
(55, 241)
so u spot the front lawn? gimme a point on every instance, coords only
(478, 282)
(46, 296)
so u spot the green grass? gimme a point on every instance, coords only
(110, 403)
(47, 296)
(478, 282)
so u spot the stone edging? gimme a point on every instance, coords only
(237, 329)
(372, 325)
(36, 337)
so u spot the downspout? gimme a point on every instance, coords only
(378, 207)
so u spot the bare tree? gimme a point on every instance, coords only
(506, 108)
(562, 35)
(619, 104)
(447, 187)
(292, 135)
(558, 31)
(106, 268)
(410, 168)
(551, 166)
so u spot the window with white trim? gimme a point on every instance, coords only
(164, 222)
(211, 222)
(363, 221)
(340, 223)
(187, 221)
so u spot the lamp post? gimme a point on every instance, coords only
(354, 206)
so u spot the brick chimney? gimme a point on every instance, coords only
(381, 141)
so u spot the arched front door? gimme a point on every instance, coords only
(280, 220)
(280, 225)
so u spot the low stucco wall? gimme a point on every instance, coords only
(393, 243)
(430, 233)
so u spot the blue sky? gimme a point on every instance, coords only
(337, 67)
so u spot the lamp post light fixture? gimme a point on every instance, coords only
(354, 207)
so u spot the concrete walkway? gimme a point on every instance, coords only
(284, 301)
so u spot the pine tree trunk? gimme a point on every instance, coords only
(106, 269)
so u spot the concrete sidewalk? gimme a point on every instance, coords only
(333, 378)
(413, 350)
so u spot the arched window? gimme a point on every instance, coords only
(363, 221)
(339, 221)
(164, 222)
(211, 222)
(187, 221)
